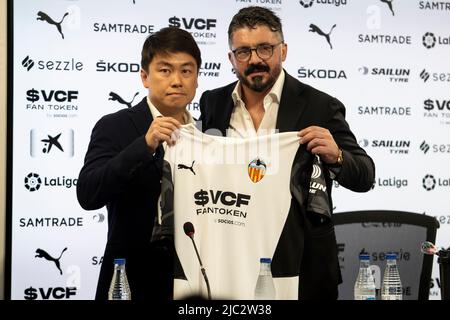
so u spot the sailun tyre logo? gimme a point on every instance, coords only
(429, 40)
(256, 170)
(316, 172)
(429, 182)
(33, 182)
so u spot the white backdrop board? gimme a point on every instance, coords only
(71, 60)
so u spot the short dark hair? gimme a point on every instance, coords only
(169, 40)
(252, 16)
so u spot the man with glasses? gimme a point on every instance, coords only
(266, 98)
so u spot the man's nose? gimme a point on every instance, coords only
(176, 79)
(254, 58)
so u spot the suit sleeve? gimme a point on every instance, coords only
(112, 161)
(358, 169)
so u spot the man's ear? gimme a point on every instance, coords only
(145, 79)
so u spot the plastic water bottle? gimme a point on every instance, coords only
(119, 288)
(391, 289)
(265, 289)
(365, 284)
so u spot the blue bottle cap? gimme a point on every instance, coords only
(391, 256)
(364, 256)
(265, 260)
(120, 261)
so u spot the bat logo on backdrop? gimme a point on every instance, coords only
(115, 97)
(40, 253)
(389, 3)
(316, 29)
(44, 17)
(256, 170)
(191, 168)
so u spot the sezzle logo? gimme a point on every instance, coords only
(393, 75)
(435, 148)
(115, 97)
(309, 3)
(321, 73)
(425, 147)
(316, 29)
(424, 75)
(53, 65)
(435, 76)
(28, 63)
(42, 16)
(40, 253)
(33, 182)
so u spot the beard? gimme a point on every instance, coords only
(257, 83)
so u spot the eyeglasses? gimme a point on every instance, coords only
(263, 51)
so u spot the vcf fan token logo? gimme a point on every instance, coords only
(429, 182)
(33, 182)
(256, 170)
(429, 40)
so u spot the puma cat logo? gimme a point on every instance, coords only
(40, 253)
(389, 3)
(44, 17)
(115, 97)
(182, 166)
(316, 29)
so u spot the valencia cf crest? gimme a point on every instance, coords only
(256, 170)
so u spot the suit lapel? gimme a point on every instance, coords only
(141, 116)
(292, 105)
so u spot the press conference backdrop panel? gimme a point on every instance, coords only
(76, 60)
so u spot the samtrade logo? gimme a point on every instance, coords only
(429, 40)
(33, 182)
(44, 17)
(429, 182)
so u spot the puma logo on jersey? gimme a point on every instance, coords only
(191, 168)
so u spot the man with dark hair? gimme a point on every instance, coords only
(123, 164)
(266, 98)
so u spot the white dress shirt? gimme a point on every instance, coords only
(241, 124)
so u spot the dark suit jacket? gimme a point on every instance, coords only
(121, 173)
(302, 106)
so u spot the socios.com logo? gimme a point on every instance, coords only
(429, 182)
(33, 182)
